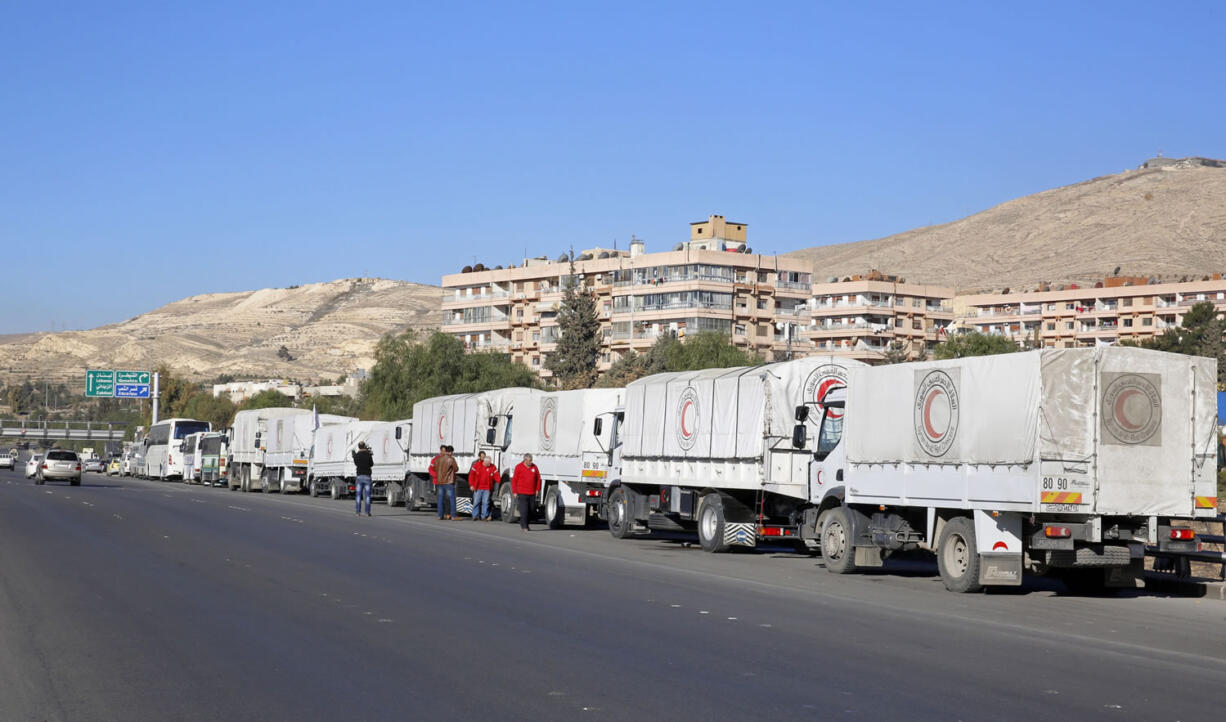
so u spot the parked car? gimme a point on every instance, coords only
(115, 467)
(60, 465)
(32, 465)
(7, 462)
(94, 465)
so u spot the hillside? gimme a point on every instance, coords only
(329, 329)
(1165, 219)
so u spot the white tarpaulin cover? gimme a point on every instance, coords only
(248, 423)
(443, 420)
(1109, 430)
(556, 428)
(293, 436)
(334, 446)
(976, 411)
(725, 413)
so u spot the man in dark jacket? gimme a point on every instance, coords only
(364, 462)
(444, 473)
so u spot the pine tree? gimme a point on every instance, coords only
(574, 362)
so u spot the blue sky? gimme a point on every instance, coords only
(159, 150)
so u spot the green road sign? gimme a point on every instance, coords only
(100, 383)
(132, 377)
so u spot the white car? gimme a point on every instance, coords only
(7, 462)
(32, 465)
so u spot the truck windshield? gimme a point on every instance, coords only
(506, 435)
(832, 431)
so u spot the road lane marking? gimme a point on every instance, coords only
(117, 516)
(238, 508)
(86, 503)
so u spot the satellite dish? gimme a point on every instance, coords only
(603, 254)
(563, 258)
(466, 269)
(678, 247)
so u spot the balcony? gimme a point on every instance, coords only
(793, 286)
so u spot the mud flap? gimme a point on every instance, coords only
(998, 539)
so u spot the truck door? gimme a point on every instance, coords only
(826, 470)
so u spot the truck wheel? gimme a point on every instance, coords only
(620, 521)
(555, 513)
(336, 490)
(506, 504)
(711, 524)
(313, 491)
(394, 492)
(838, 551)
(958, 557)
(413, 495)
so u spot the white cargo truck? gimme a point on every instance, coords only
(724, 452)
(451, 420)
(1063, 460)
(570, 435)
(332, 470)
(249, 443)
(288, 445)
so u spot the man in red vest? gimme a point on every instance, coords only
(525, 483)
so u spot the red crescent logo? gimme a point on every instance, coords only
(441, 419)
(685, 410)
(545, 423)
(1000, 545)
(932, 433)
(1121, 415)
(822, 388)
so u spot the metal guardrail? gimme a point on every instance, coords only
(1179, 563)
(69, 430)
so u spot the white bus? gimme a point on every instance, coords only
(164, 447)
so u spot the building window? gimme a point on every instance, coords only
(1126, 302)
(536, 361)
(1147, 321)
(1068, 307)
(1051, 327)
(1068, 325)
(1128, 323)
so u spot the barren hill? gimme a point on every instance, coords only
(1167, 219)
(329, 329)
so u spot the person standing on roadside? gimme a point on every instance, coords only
(444, 471)
(479, 481)
(525, 483)
(363, 462)
(492, 477)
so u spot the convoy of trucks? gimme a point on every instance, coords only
(1062, 461)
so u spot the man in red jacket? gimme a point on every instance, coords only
(525, 483)
(480, 480)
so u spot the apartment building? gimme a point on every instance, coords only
(712, 282)
(1114, 310)
(859, 317)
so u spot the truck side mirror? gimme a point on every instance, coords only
(399, 433)
(597, 426)
(491, 421)
(489, 436)
(257, 436)
(802, 413)
(798, 436)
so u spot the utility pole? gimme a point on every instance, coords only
(155, 399)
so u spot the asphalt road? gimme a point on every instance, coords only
(135, 600)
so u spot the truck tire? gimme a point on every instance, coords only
(621, 522)
(711, 524)
(555, 512)
(413, 494)
(838, 549)
(335, 490)
(282, 485)
(314, 492)
(506, 504)
(958, 557)
(395, 492)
